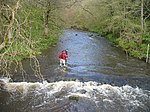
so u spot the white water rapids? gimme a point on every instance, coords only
(96, 96)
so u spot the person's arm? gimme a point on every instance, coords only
(66, 56)
(60, 55)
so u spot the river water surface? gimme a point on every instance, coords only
(99, 78)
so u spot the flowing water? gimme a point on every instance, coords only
(99, 78)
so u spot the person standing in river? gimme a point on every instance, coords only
(63, 58)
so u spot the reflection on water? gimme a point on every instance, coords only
(98, 78)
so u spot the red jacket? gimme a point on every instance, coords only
(63, 55)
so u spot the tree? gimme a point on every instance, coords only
(22, 23)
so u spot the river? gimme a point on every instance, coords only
(99, 78)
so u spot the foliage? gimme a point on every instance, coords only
(23, 30)
(127, 23)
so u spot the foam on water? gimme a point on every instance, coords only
(99, 93)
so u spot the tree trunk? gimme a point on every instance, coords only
(46, 22)
(47, 14)
(142, 20)
(147, 57)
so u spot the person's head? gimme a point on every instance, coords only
(66, 51)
